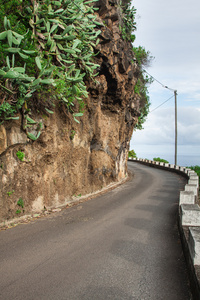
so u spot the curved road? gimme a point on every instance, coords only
(121, 245)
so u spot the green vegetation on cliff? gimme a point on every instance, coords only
(160, 160)
(45, 46)
(132, 154)
(143, 58)
(47, 53)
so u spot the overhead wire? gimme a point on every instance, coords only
(161, 104)
(164, 86)
(156, 80)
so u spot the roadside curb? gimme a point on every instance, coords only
(75, 200)
(188, 219)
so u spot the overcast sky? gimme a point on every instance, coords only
(171, 32)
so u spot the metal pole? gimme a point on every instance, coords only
(175, 96)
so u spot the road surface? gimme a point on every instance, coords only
(121, 245)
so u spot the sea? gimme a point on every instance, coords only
(187, 155)
(182, 160)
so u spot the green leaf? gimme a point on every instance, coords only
(68, 61)
(97, 41)
(77, 73)
(53, 28)
(69, 37)
(47, 81)
(65, 100)
(19, 69)
(36, 82)
(68, 28)
(74, 89)
(49, 111)
(16, 41)
(91, 1)
(58, 3)
(13, 61)
(13, 50)
(26, 79)
(78, 50)
(57, 37)
(2, 73)
(97, 23)
(39, 21)
(38, 63)
(8, 61)
(60, 46)
(69, 51)
(41, 44)
(11, 74)
(23, 55)
(3, 35)
(38, 135)
(17, 35)
(76, 120)
(91, 16)
(49, 41)
(48, 26)
(87, 56)
(76, 43)
(31, 121)
(9, 36)
(53, 47)
(5, 21)
(31, 136)
(12, 118)
(28, 95)
(78, 114)
(59, 11)
(54, 21)
(70, 69)
(29, 51)
(9, 25)
(83, 87)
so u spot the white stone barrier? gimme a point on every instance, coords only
(194, 182)
(194, 244)
(186, 197)
(190, 214)
(192, 188)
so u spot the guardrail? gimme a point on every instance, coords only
(189, 219)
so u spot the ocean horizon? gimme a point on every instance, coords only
(182, 160)
(187, 155)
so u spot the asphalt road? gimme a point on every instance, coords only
(121, 245)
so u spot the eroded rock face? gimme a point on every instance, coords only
(71, 159)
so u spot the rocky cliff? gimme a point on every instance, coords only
(70, 159)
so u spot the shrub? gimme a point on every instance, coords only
(160, 160)
(132, 154)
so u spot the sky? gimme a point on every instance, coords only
(170, 30)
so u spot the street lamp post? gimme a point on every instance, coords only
(175, 97)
